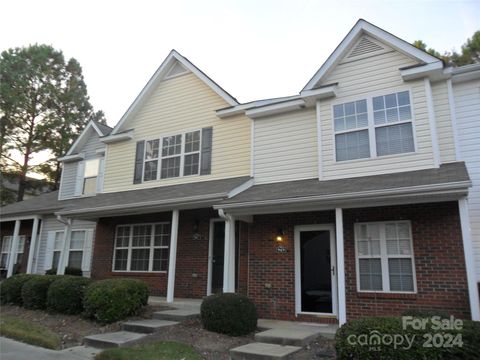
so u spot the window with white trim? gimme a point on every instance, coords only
(390, 125)
(77, 243)
(57, 249)
(90, 176)
(172, 156)
(384, 256)
(142, 247)
(6, 248)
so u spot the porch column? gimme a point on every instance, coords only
(469, 260)
(33, 244)
(229, 255)
(13, 248)
(173, 256)
(342, 304)
(62, 263)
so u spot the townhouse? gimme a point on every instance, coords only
(352, 198)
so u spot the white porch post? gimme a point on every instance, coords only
(469, 261)
(229, 256)
(173, 257)
(342, 305)
(13, 248)
(62, 263)
(33, 243)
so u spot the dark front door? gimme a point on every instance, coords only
(217, 256)
(315, 271)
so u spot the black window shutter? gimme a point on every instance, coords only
(137, 175)
(206, 159)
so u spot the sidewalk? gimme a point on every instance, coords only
(15, 350)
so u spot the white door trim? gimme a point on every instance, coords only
(210, 254)
(298, 293)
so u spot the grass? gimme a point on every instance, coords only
(163, 350)
(27, 332)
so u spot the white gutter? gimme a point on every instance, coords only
(275, 108)
(352, 195)
(74, 157)
(434, 71)
(117, 137)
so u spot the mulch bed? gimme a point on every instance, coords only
(210, 345)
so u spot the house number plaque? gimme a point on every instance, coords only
(281, 249)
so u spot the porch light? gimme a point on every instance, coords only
(279, 236)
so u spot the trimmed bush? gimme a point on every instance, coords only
(68, 271)
(65, 295)
(426, 313)
(52, 271)
(111, 300)
(34, 291)
(11, 288)
(231, 314)
(365, 339)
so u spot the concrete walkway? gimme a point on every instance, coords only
(15, 350)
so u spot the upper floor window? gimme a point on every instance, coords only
(90, 176)
(179, 155)
(388, 125)
(384, 255)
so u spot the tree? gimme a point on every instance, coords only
(43, 105)
(470, 52)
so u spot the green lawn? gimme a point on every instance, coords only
(27, 332)
(163, 350)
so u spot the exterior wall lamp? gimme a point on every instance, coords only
(280, 236)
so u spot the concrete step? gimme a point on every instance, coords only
(326, 330)
(177, 315)
(147, 326)
(263, 351)
(113, 339)
(295, 337)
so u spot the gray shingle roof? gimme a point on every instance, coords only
(105, 129)
(165, 195)
(446, 173)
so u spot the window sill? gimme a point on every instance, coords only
(385, 295)
(138, 273)
(412, 153)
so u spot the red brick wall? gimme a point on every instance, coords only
(192, 253)
(438, 250)
(439, 261)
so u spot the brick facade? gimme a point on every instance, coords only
(268, 277)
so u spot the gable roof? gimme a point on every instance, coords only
(99, 128)
(164, 71)
(360, 28)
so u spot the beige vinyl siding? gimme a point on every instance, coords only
(286, 147)
(177, 105)
(467, 104)
(378, 75)
(444, 122)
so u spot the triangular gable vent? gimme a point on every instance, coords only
(176, 69)
(365, 46)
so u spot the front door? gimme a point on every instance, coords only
(217, 244)
(315, 268)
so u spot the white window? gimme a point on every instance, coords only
(6, 248)
(172, 156)
(142, 247)
(77, 244)
(57, 249)
(390, 126)
(384, 257)
(90, 176)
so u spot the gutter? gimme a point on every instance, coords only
(352, 195)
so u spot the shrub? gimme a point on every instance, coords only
(231, 314)
(65, 295)
(426, 313)
(34, 291)
(52, 271)
(374, 328)
(11, 288)
(114, 299)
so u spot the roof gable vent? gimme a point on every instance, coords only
(365, 46)
(176, 70)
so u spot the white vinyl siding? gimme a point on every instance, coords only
(467, 104)
(286, 147)
(384, 257)
(375, 76)
(175, 106)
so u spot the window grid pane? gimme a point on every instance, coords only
(192, 141)
(350, 115)
(172, 145)
(394, 139)
(170, 167)
(75, 259)
(192, 163)
(391, 108)
(370, 274)
(352, 145)
(401, 276)
(151, 169)
(77, 240)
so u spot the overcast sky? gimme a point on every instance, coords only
(252, 48)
